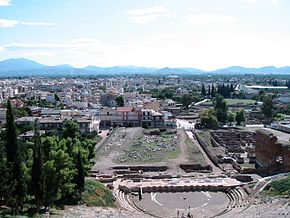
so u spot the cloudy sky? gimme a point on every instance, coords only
(205, 34)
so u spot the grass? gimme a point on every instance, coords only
(247, 165)
(194, 154)
(279, 188)
(96, 194)
(205, 135)
(233, 102)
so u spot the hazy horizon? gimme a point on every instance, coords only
(206, 35)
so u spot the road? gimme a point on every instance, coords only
(187, 125)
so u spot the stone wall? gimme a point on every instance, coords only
(270, 152)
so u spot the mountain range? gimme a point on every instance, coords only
(25, 67)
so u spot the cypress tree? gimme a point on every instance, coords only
(11, 137)
(208, 92)
(14, 161)
(213, 92)
(5, 185)
(36, 172)
(232, 89)
(80, 180)
(203, 91)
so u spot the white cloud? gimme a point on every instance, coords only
(147, 11)
(210, 19)
(8, 23)
(12, 23)
(39, 23)
(145, 15)
(5, 2)
(34, 45)
(256, 1)
(37, 54)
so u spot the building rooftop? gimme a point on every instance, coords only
(125, 109)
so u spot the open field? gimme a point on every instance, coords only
(131, 146)
(233, 102)
(150, 148)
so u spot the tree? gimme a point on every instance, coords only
(120, 101)
(213, 91)
(5, 185)
(208, 92)
(221, 108)
(14, 161)
(232, 89)
(80, 176)
(203, 91)
(36, 171)
(208, 119)
(71, 129)
(56, 97)
(267, 107)
(186, 100)
(58, 173)
(240, 117)
(231, 117)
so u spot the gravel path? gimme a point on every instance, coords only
(92, 212)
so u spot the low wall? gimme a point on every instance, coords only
(175, 188)
(144, 168)
(195, 167)
(203, 145)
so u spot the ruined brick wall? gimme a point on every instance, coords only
(268, 149)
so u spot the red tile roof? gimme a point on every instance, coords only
(125, 109)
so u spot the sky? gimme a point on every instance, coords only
(203, 34)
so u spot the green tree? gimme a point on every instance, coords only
(5, 181)
(56, 97)
(71, 129)
(203, 91)
(268, 107)
(208, 92)
(213, 91)
(120, 101)
(58, 173)
(80, 176)
(208, 119)
(186, 100)
(240, 117)
(14, 162)
(36, 171)
(221, 108)
(231, 117)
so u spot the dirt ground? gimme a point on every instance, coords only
(173, 150)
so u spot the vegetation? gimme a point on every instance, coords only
(240, 117)
(279, 188)
(120, 101)
(268, 107)
(221, 108)
(45, 171)
(208, 119)
(223, 90)
(231, 117)
(96, 194)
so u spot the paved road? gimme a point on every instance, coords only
(187, 125)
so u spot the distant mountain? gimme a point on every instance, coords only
(19, 64)
(25, 67)
(262, 70)
(177, 71)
